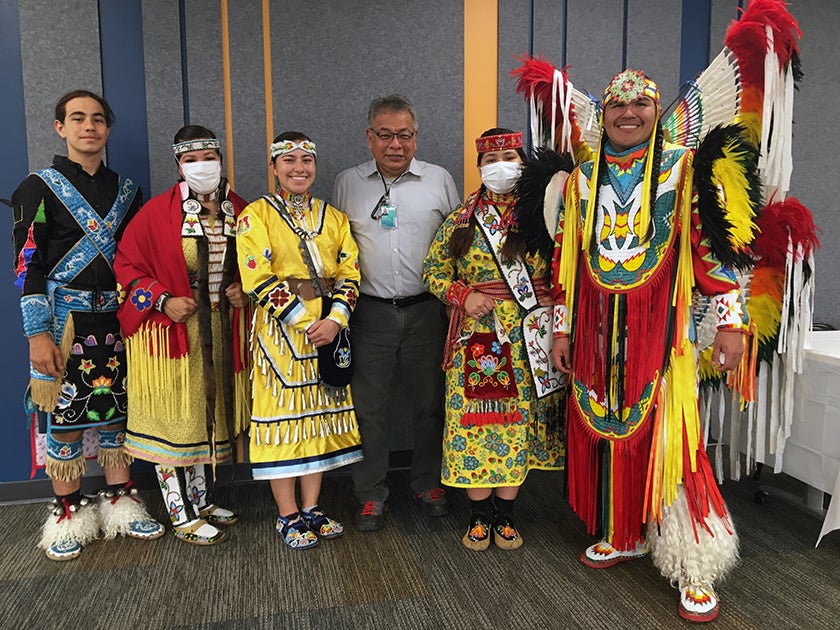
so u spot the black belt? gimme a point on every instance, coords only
(400, 302)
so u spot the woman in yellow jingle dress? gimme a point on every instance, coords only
(503, 414)
(299, 262)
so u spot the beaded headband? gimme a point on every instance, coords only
(287, 146)
(195, 145)
(629, 85)
(501, 142)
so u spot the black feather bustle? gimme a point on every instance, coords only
(530, 191)
(796, 68)
(716, 225)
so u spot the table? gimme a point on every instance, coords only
(812, 452)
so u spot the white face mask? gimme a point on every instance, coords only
(203, 178)
(500, 177)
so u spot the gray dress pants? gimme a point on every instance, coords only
(407, 340)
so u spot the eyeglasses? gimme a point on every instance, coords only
(387, 136)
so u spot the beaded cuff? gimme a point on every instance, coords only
(560, 325)
(729, 310)
(161, 301)
(37, 314)
(457, 293)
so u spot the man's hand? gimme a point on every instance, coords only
(235, 295)
(561, 354)
(727, 350)
(45, 356)
(322, 332)
(179, 309)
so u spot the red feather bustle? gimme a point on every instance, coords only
(775, 223)
(746, 36)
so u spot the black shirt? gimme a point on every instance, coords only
(54, 231)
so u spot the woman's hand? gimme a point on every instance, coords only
(179, 309)
(235, 295)
(322, 332)
(477, 304)
(727, 349)
(45, 356)
(561, 354)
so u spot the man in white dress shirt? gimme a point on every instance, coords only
(395, 204)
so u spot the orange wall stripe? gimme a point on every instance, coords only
(267, 88)
(481, 78)
(226, 84)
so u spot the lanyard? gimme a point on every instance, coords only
(386, 198)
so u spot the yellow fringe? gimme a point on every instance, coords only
(114, 458)
(66, 470)
(570, 244)
(151, 371)
(45, 393)
(591, 213)
(680, 379)
(656, 463)
(644, 211)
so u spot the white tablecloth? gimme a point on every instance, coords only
(812, 452)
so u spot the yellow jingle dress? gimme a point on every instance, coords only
(296, 427)
(479, 454)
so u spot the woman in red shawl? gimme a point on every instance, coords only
(182, 318)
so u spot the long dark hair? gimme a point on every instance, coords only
(464, 234)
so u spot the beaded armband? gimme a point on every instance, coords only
(457, 293)
(560, 325)
(729, 311)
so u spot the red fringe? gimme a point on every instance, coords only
(646, 346)
(622, 494)
(471, 419)
(582, 467)
(701, 489)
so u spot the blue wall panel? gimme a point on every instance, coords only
(14, 447)
(123, 83)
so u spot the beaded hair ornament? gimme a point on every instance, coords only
(629, 85)
(195, 145)
(287, 146)
(500, 142)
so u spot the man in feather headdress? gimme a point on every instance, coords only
(631, 246)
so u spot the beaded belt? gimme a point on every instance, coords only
(78, 300)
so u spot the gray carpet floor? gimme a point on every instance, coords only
(412, 574)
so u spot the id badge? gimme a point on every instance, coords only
(388, 216)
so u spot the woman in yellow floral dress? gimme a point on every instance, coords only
(503, 401)
(299, 262)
